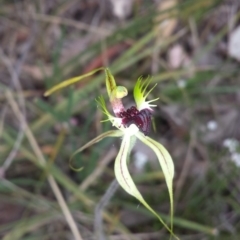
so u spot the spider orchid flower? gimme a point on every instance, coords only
(132, 123)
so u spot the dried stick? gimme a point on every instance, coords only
(42, 161)
(98, 220)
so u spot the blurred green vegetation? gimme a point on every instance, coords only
(206, 182)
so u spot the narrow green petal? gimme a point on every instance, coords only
(116, 122)
(166, 163)
(70, 81)
(125, 179)
(101, 102)
(112, 133)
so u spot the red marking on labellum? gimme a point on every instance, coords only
(142, 119)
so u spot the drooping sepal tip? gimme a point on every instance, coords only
(71, 81)
(167, 166)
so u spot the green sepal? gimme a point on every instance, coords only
(125, 180)
(166, 164)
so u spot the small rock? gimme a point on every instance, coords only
(234, 44)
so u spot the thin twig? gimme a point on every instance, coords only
(98, 220)
(2, 117)
(42, 161)
(99, 169)
(139, 236)
(185, 168)
(70, 23)
(15, 80)
(14, 73)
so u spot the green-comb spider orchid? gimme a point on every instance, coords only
(133, 123)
